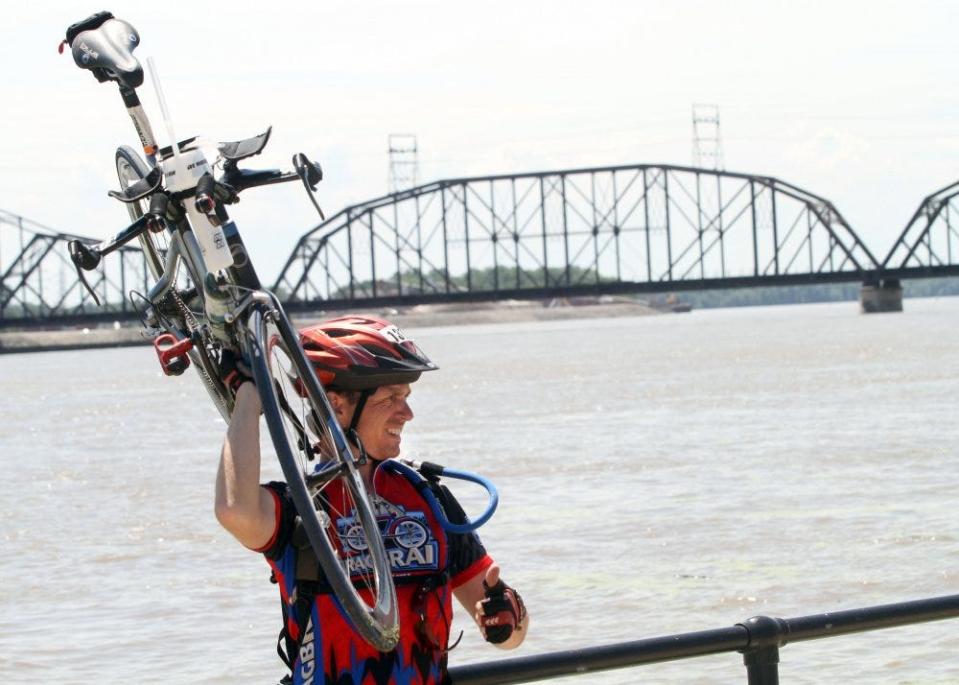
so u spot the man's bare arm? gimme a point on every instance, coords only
(242, 506)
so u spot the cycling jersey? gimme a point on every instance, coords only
(428, 563)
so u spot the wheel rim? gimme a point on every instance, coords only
(154, 245)
(343, 524)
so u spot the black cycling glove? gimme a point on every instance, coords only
(503, 612)
(234, 372)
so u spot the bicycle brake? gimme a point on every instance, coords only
(310, 174)
(84, 259)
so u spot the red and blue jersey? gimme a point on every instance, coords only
(428, 564)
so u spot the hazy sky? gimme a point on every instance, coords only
(854, 101)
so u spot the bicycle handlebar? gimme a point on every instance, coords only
(242, 179)
(88, 257)
(104, 45)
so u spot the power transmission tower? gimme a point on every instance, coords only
(707, 144)
(404, 166)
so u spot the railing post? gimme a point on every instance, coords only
(761, 655)
(762, 666)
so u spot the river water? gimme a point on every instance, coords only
(657, 475)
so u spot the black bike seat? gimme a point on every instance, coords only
(105, 45)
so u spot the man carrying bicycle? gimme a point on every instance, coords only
(366, 366)
(206, 299)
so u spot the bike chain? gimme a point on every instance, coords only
(193, 325)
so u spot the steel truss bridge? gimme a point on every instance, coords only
(610, 230)
(626, 229)
(39, 283)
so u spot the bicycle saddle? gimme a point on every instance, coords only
(104, 45)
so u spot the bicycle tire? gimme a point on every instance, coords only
(177, 317)
(130, 169)
(326, 488)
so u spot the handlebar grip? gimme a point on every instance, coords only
(242, 179)
(159, 203)
(205, 189)
(82, 256)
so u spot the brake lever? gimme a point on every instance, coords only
(311, 174)
(84, 259)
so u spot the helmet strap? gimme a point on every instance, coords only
(361, 451)
(360, 403)
(354, 422)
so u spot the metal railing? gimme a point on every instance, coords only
(758, 639)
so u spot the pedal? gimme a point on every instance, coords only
(172, 353)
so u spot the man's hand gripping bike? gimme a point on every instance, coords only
(207, 299)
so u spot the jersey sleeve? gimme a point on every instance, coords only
(285, 521)
(467, 554)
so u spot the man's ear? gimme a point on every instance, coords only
(339, 404)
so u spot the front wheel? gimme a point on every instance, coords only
(324, 484)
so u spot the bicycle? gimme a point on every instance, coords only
(207, 299)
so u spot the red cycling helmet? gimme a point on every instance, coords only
(362, 353)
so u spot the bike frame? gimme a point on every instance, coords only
(183, 239)
(226, 297)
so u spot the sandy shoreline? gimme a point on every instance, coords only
(420, 316)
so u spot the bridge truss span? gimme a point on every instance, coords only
(39, 284)
(640, 228)
(930, 241)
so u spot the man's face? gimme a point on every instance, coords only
(386, 412)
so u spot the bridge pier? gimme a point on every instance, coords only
(880, 296)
